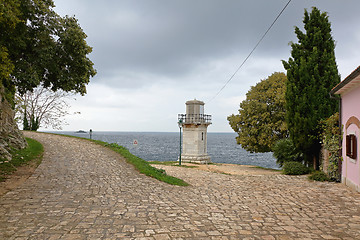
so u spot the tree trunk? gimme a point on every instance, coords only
(315, 162)
(10, 135)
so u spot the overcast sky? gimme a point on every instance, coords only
(153, 55)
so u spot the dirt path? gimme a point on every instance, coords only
(17, 178)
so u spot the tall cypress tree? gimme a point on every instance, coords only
(312, 73)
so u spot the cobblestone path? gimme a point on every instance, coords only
(84, 191)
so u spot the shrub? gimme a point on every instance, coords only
(295, 168)
(331, 137)
(319, 176)
(284, 151)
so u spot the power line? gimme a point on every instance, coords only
(263, 36)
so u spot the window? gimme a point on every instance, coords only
(351, 146)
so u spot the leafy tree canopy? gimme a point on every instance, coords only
(312, 73)
(37, 46)
(9, 12)
(261, 119)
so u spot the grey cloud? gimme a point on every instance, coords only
(154, 52)
(174, 39)
(171, 37)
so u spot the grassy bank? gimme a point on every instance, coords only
(33, 153)
(269, 169)
(171, 163)
(143, 166)
(140, 164)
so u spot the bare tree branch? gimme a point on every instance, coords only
(45, 106)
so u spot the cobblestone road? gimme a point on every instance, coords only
(84, 191)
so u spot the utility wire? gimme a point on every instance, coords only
(232, 76)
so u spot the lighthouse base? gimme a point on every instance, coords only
(201, 159)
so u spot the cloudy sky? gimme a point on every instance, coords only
(153, 55)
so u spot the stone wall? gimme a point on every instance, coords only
(10, 135)
(195, 143)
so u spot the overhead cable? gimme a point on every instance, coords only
(263, 36)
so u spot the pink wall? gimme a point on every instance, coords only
(351, 107)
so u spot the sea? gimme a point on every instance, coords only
(165, 146)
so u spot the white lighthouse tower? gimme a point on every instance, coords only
(194, 124)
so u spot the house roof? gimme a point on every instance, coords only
(351, 81)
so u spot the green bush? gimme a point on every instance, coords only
(319, 176)
(284, 151)
(295, 168)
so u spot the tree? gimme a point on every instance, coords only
(9, 12)
(37, 47)
(25, 121)
(261, 119)
(40, 47)
(42, 108)
(312, 73)
(285, 151)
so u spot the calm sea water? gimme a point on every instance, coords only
(156, 146)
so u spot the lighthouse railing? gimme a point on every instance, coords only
(194, 118)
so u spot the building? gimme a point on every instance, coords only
(194, 124)
(349, 90)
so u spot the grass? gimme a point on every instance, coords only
(170, 163)
(35, 149)
(167, 163)
(269, 169)
(143, 166)
(140, 164)
(33, 152)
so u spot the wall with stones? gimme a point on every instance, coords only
(195, 143)
(10, 136)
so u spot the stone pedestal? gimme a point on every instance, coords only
(195, 143)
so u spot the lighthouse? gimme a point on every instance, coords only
(194, 124)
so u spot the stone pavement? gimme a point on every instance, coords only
(84, 191)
